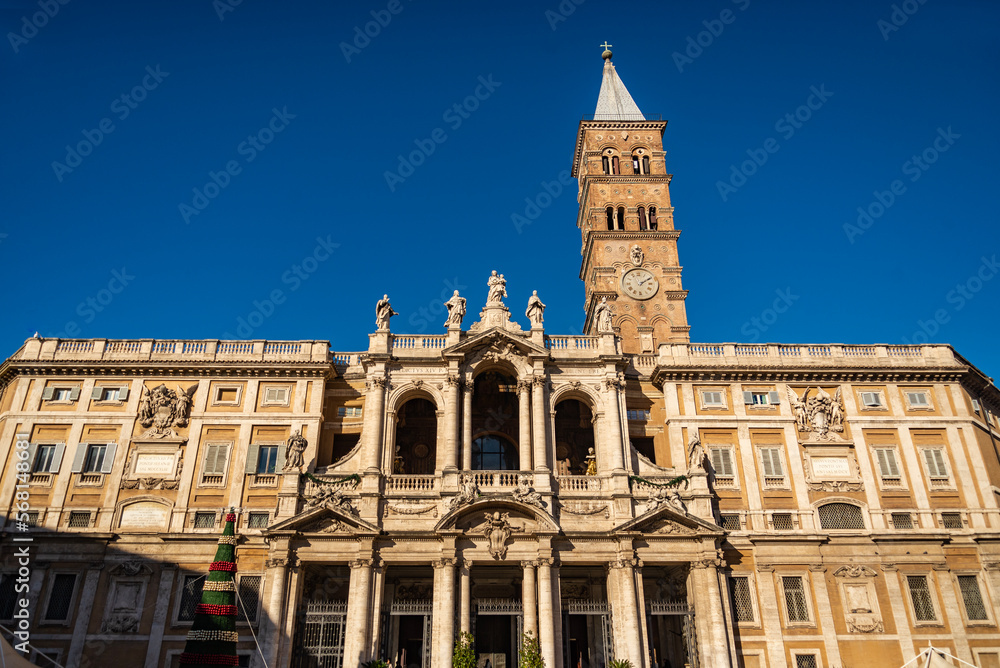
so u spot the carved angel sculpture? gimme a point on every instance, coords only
(798, 408)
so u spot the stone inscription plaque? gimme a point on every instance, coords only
(144, 515)
(831, 467)
(155, 465)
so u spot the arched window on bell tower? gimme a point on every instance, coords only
(652, 217)
(642, 218)
(645, 164)
(606, 164)
(621, 218)
(636, 169)
(610, 211)
(615, 166)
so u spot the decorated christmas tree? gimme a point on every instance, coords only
(213, 637)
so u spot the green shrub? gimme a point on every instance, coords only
(464, 655)
(531, 652)
(620, 663)
(375, 663)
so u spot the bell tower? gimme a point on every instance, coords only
(626, 220)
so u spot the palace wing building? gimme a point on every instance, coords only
(622, 494)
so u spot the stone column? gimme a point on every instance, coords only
(528, 598)
(713, 641)
(613, 433)
(546, 616)
(160, 613)
(359, 598)
(374, 405)
(524, 423)
(84, 608)
(270, 628)
(538, 423)
(452, 388)
(467, 426)
(622, 571)
(465, 593)
(443, 636)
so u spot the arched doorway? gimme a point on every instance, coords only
(574, 436)
(416, 438)
(495, 426)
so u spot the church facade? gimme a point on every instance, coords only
(621, 494)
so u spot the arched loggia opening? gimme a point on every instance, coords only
(574, 437)
(495, 422)
(416, 438)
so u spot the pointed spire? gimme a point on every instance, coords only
(614, 102)
(213, 637)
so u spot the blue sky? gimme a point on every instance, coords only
(286, 122)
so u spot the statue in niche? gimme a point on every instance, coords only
(383, 311)
(591, 460)
(456, 310)
(294, 447)
(602, 317)
(535, 309)
(498, 288)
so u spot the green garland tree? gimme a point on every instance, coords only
(213, 637)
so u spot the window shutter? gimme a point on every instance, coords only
(123, 393)
(772, 462)
(253, 454)
(773, 398)
(279, 463)
(74, 393)
(935, 463)
(47, 393)
(887, 462)
(32, 451)
(975, 405)
(939, 460)
(57, 457)
(748, 398)
(765, 458)
(81, 453)
(722, 461)
(95, 394)
(109, 458)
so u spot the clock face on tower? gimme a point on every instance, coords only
(640, 284)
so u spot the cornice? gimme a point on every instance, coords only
(611, 125)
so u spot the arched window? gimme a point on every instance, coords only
(652, 217)
(574, 437)
(642, 218)
(416, 436)
(611, 217)
(494, 452)
(635, 164)
(621, 218)
(840, 516)
(605, 164)
(496, 414)
(615, 167)
(645, 164)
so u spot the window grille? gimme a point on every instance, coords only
(190, 597)
(952, 520)
(840, 516)
(902, 521)
(249, 598)
(975, 610)
(782, 522)
(795, 599)
(805, 661)
(731, 522)
(923, 607)
(257, 520)
(204, 520)
(32, 518)
(7, 595)
(79, 520)
(742, 602)
(60, 597)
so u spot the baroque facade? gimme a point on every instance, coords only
(619, 494)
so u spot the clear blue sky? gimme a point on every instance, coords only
(345, 114)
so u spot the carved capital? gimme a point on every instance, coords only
(528, 564)
(379, 381)
(538, 381)
(453, 381)
(361, 563)
(276, 563)
(444, 562)
(524, 385)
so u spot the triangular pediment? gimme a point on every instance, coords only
(498, 339)
(667, 520)
(323, 520)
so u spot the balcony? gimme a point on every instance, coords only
(208, 350)
(805, 355)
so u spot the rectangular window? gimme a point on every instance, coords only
(920, 595)
(94, 462)
(902, 521)
(109, 393)
(771, 460)
(276, 395)
(782, 522)
(248, 600)
(871, 399)
(722, 462)
(43, 459)
(204, 520)
(79, 520)
(760, 398)
(742, 601)
(795, 599)
(257, 520)
(60, 597)
(32, 518)
(952, 521)
(190, 597)
(229, 394)
(712, 399)
(730, 522)
(7, 595)
(918, 400)
(935, 463)
(972, 597)
(62, 394)
(642, 416)
(349, 411)
(887, 465)
(805, 661)
(216, 457)
(267, 458)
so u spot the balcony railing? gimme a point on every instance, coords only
(500, 480)
(206, 350)
(674, 354)
(580, 483)
(411, 483)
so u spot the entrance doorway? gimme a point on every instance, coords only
(495, 644)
